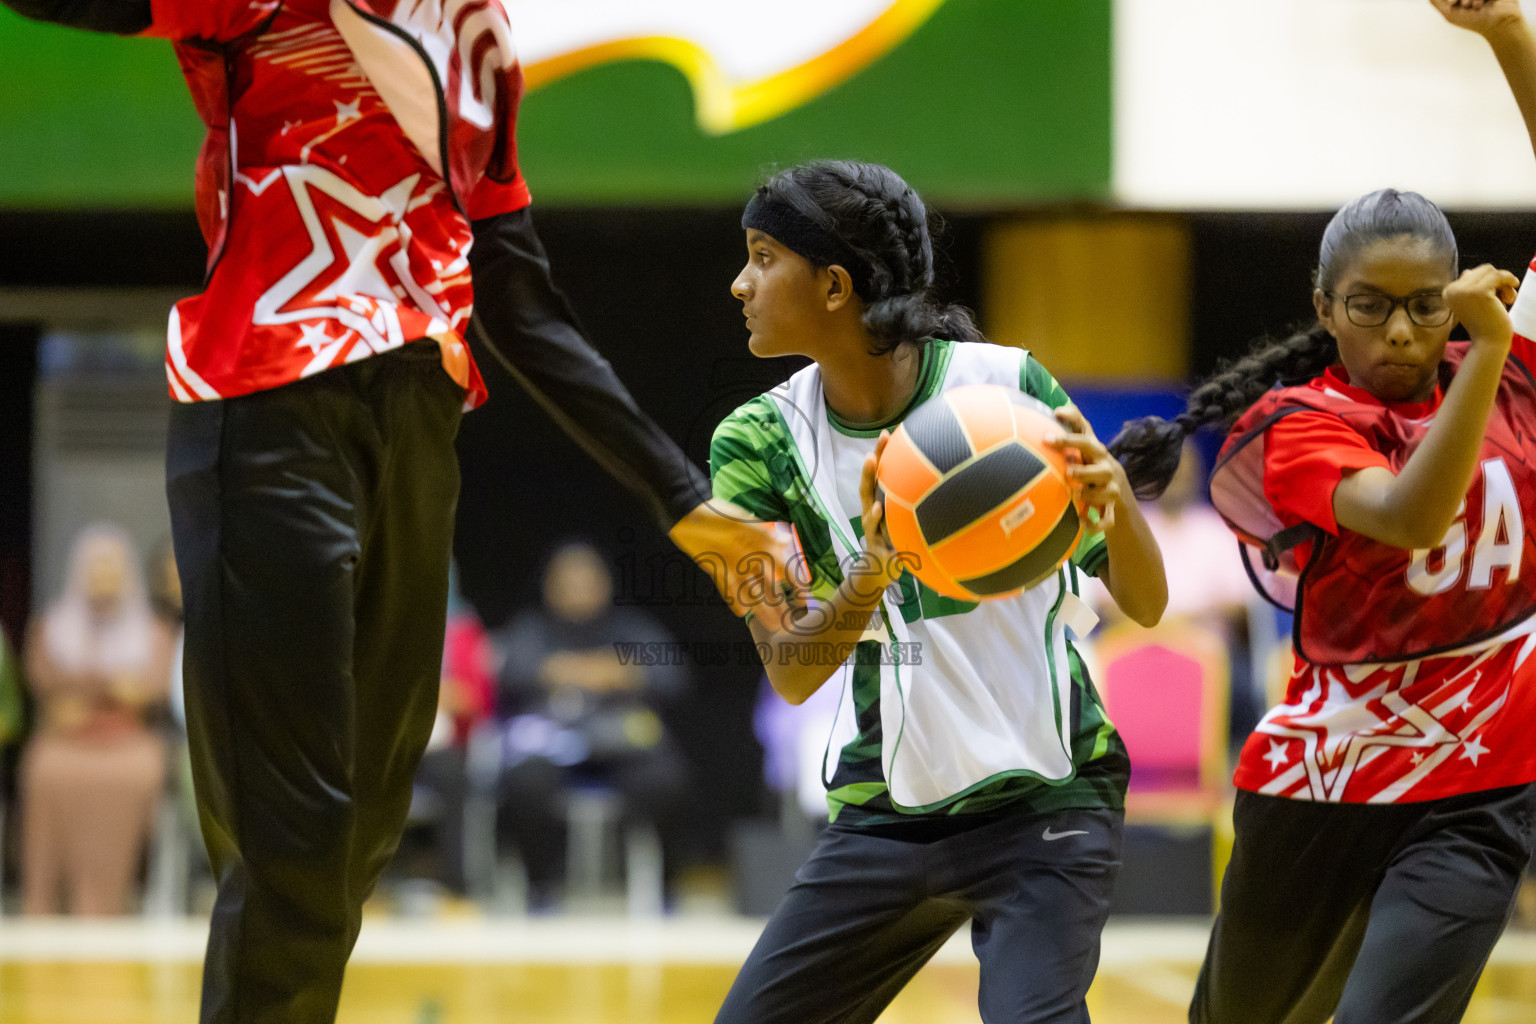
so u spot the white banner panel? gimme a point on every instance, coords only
(1275, 104)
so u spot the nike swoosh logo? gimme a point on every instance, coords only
(1049, 836)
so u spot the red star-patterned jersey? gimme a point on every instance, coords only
(1414, 679)
(349, 145)
(1358, 600)
(1415, 730)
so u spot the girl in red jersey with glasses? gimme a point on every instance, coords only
(1385, 807)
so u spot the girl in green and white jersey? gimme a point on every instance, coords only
(971, 771)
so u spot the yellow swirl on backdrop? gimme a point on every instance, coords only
(724, 105)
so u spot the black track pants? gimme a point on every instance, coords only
(868, 910)
(313, 527)
(1369, 914)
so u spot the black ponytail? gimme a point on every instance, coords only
(1149, 448)
(876, 217)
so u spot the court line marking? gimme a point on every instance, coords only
(569, 940)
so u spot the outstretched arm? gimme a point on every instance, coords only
(1503, 24)
(121, 17)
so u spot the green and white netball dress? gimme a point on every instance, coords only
(947, 706)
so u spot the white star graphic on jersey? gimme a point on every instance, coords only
(1473, 749)
(362, 276)
(1278, 756)
(348, 111)
(313, 337)
(1418, 757)
(288, 126)
(349, 279)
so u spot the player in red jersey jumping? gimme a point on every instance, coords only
(1384, 809)
(360, 194)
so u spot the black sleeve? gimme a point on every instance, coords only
(121, 17)
(528, 325)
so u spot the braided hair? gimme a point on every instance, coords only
(1149, 448)
(876, 216)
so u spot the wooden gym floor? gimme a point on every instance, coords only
(585, 971)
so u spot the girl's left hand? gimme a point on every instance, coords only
(877, 539)
(1480, 16)
(1097, 475)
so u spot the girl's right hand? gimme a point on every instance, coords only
(1480, 300)
(747, 559)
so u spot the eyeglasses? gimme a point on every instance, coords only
(1370, 309)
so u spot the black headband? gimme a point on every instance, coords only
(799, 233)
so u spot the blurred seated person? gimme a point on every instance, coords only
(465, 698)
(92, 777)
(577, 714)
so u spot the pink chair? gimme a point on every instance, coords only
(1166, 690)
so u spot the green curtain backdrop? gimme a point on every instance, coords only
(989, 103)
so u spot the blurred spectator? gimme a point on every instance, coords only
(92, 776)
(465, 699)
(580, 687)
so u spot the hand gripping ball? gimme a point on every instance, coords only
(981, 507)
